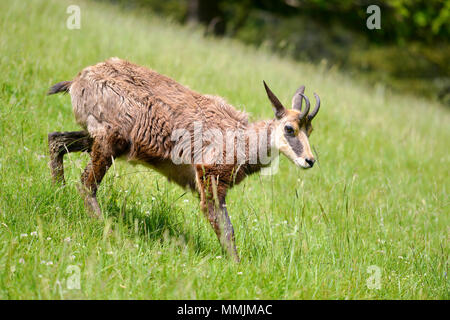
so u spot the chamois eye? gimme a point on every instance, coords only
(289, 130)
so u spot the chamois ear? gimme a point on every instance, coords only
(278, 108)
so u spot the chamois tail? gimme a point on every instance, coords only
(62, 86)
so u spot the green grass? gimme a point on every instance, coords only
(379, 195)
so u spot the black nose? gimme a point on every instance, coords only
(310, 162)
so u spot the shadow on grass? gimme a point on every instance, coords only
(164, 221)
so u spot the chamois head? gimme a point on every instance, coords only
(293, 127)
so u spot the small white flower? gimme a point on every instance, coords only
(240, 272)
(186, 200)
(67, 239)
(49, 263)
(400, 257)
(219, 257)
(34, 233)
(42, 261)
(159, 252)
(72, 257)
(23, 235)
(48, 238)
(22, 260)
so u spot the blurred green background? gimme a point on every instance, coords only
(410, 53)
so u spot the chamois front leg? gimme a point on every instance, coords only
(60, 143)
(220, 221)
(213, 205)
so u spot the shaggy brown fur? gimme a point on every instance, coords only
(128, 110)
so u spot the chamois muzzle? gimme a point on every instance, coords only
(310, 162)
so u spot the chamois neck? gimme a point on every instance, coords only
(259, 155)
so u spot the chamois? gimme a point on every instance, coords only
(130, 111)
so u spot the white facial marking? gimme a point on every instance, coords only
(283, 146)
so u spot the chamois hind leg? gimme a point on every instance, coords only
(213, 205)
(104, 150)
(60, 143)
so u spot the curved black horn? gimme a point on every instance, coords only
(316, 108)
(297, 99)
(280, 111)
(305, 112)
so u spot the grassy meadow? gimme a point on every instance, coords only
(379, 195)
